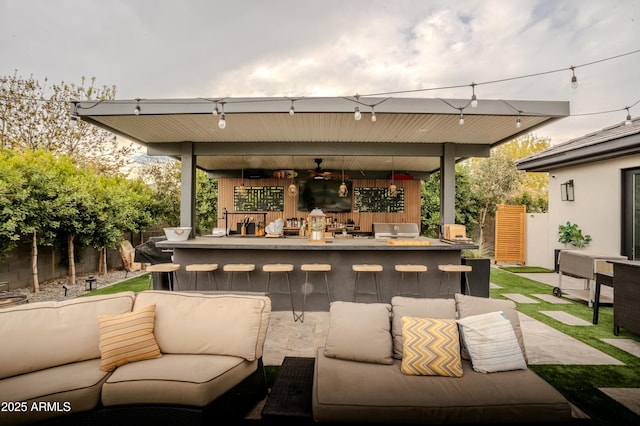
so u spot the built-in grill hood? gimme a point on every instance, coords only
(384, 231)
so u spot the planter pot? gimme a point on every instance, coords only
(478, 278)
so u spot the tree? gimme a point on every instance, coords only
(465, 203)
(164, 178)
(34, 115)
(206, 201)
(493, 181)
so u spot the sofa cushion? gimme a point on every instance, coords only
(350, 392)
(218, 324)
(66, 389)
(127, 338)
(193, 380)
(65, 332)
(359, 332)
(491, 342)
(431, 347)
(416, 307)
(471, 305)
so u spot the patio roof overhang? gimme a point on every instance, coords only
(261, 134)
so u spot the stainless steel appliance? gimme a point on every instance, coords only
(384, 231)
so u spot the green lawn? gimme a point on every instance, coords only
(137, 284)
(525, 269)
(580, 383)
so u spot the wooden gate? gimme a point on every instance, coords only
(511, 234)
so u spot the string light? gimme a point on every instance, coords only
(461, 121)
(356, 114)
(136, 110)
(628, 121)
(291, 110)
(518, 121)
(574, 79)
(222, 123)
(474, 100)
(373, 114)
(215, 110)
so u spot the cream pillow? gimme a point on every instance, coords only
(359, 332)
(431, 347)
(492, 343)
(127, 338)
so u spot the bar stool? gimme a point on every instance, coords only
(462, 269)
(286, 268)
(238, 267)
(209, 268)
(358, 268)
(314, 267)
(165, 268)
(417, 269)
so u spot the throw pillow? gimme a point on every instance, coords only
(492, 343)
(417, 307)
(431, 347)
(472, 305)
(127, 338)
(359, 332)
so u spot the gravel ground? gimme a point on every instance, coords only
(53, 290)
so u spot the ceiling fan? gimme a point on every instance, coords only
(318, 173)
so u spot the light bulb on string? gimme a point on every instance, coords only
(215, 111)
(574, 79)
(136, 110)
(627, 121)
(461, 121)
(373, 115)
(291, 110)
(222, 123)
(518, 122)
(474, 99)
(356, 114)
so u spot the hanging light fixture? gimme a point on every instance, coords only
(373, 114)
(627, 121)
(242, 190)
(518, 121)
(356, 113)
(291, 110)
(222, 123)
(215, 111)
(574, 79)
(136, 110)
(474, 99)
(461, 121)
(343, 191)
(292, 190)
(393, 189)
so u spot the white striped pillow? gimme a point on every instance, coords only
(127, 338)
(492, 343)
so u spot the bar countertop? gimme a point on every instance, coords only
(302, 243)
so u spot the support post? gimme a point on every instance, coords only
(188, 187)
(447, 185)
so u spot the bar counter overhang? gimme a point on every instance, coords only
(341, 254)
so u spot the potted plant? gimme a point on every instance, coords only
(480, 261)
(570, 234)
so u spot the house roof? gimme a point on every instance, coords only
(261, 134)
(611, 142)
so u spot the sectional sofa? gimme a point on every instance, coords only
(154, 357)
(430, 361)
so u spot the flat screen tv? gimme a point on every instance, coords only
(323, 194)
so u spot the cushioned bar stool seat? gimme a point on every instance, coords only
(165, 268)
(417, 269)
(238, 267)
(360, 268)
(447, 269)
(286, 268)
(202, 267)
(314, 267)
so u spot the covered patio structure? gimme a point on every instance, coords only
(368, 136)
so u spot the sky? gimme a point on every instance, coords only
(158, 49)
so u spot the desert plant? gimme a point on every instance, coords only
(572, 234)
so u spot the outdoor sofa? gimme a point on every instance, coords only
(170, 358)
(405, 362)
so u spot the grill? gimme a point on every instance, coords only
(385, 231)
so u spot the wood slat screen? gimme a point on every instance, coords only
(364, 220)
(510, 242)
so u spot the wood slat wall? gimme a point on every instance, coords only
(365, 220)
(510, 243)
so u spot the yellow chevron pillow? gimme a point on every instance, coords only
(431, 347)
(127, 338)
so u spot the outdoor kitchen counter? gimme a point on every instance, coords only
(340, 253)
